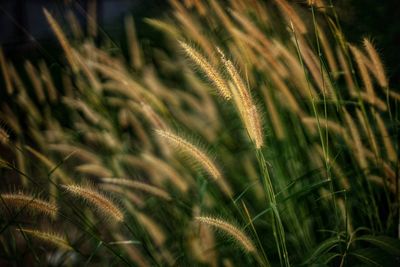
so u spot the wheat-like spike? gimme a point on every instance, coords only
(355, 140)
(244, 103)
(256, 127)
(62, 39)
(256, 39)
(91, 18)
(128, 195)
(35, 80)
(190, 149)
(366, 79)
(78, 152)
(376, 102)
(90, 114)
(377, 63)
(139, 186)
(167, 171)
(98, 200)
(74, 25)
(320, 76)
(291, 15)
(237, 80)
(290, 99)
(152, 116)
(326, 123)
(4, 136)
(328, 52)
(394, 95)
(154, 230)
(49, 164)
(345, 68)
(232, 230)
(31, 203)
(49, 237)
(48, 81)
(93, 170)
(190, 26)
(273, 114)
(208, 70)
(164, 27)
(6, 74)
(387, 142)
(133, 44)
(344, 214)
(368, 131)
(382, 181)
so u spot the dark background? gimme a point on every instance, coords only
(24, 32)
(380, 20)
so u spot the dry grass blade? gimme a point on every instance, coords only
(62, 39)
(244, 102)
(377, 63)
(208, 70)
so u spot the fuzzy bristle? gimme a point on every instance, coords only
(198, 155)
(244, 102)
(208, 70)
(31, 203)
(98, 200)
(230, 229)
(49, 237)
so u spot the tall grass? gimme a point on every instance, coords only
(250, 121)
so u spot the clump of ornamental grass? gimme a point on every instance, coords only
(96, 199)
(332, 134)
(377, 65)
(32, 204)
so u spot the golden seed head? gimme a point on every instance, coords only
(230, 229)
(97, 199)
(190, 149)
(30, 203)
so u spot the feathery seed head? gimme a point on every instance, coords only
(212, 74)
(377, 63)
(30, 203)
(244, 103)
(191, 150)
(231, 230)
(49, 237)
(103, 205)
